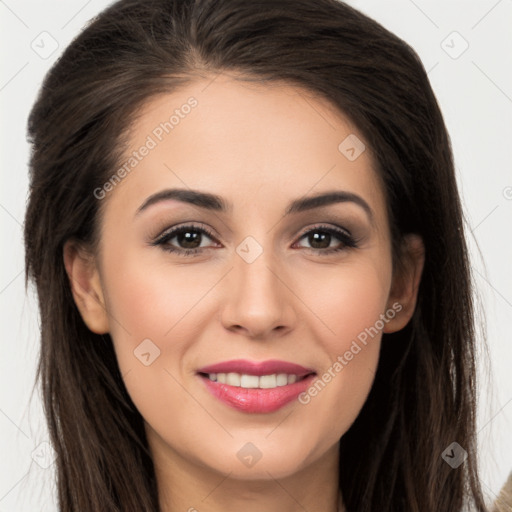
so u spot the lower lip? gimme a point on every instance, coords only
(255, 400)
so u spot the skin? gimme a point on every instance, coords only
(259, 146)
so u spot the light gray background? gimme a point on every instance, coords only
(474, 88)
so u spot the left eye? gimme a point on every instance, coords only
(327, 238)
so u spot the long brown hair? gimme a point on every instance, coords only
(423, 397)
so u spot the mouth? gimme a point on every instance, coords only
(256, 387)
(247, 381)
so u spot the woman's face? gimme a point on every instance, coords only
(209, 322)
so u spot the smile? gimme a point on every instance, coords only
(253, 381)
(256, 387)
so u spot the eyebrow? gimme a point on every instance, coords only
(216, 203)
(202, 199)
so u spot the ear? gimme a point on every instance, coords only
(406, 282)
(86, 287)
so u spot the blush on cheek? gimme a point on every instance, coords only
(145, 304)
(355, 305)
(351, 313)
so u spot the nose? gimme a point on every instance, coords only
(258, 302)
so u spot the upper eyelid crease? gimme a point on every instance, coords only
(174, 230)
(216, 203)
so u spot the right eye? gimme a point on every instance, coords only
(185, 240)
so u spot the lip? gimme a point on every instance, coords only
(258, 368)
(256, 400)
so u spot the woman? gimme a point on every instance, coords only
(247, 240)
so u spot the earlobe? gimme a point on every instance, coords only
(406, 282)
(85, 284)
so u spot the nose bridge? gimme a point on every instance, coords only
(257, 301)
(257, 281)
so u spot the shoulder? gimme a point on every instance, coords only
(503, 502)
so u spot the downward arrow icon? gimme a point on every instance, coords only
(248, 458)
(351, 151)
(44, 45)
(147, 355)
(451, 45)
(454, 455)
(247, 252)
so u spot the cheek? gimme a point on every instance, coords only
(348, 299)
(156, 314)
(351, 304)
(151, 301)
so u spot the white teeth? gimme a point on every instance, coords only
(282, 379)
(233, 379)
(249, 381)
(268, 381)
(253, 381)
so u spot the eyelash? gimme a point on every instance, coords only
(346, 239)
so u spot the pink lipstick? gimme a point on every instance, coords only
(256, 387)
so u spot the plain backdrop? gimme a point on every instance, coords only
(466, 47)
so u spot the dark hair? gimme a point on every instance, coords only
(423, 397)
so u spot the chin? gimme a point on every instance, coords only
(259, 457)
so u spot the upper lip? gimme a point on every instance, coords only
(269, 367)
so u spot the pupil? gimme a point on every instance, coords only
(320, 240)
(189, 240)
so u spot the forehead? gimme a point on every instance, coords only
(251, 142)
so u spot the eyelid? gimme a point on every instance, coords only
(199, 226)
(347, 241)
(346, 238)
(324, 226)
